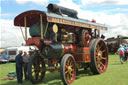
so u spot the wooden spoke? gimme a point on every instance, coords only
(102, 64)
(103, 50)
(101, 45)
(97, 53)
(70, 73)
(104, 58)
(66, 66)
(70, 63)
(67, 63)
(97, 56)
(36, 76)
(98, 65)
(98, 48)
(66, 72)
(67, 76)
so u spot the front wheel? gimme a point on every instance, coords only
(36, 68)
(99, 56)
(68, 69)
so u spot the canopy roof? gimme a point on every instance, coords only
(33, 16)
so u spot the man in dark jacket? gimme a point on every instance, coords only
(19, 71)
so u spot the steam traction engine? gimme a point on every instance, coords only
(65, 43)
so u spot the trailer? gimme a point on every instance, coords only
(12, 52)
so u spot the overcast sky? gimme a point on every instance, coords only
(112, 13)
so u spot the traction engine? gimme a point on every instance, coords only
(65, 43)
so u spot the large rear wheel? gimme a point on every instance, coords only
(68, 69)
(36, 69)
(99, 56)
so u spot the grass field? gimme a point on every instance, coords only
(117, 74)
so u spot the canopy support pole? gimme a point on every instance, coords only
(41, 25)
(25, 28)
(46, 29)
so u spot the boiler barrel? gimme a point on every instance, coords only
(56, 50)
(62, 10)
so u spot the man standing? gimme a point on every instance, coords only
(26, 59)
(121, 53)
(19, 70)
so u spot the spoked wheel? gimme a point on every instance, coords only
(36, 69)
(68, 69)
(99, 56)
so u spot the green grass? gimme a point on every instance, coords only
(116, 74)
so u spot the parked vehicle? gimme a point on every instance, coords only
(12, 52)
(65, 43)
(3, 57)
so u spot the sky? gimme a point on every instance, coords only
(112, 13)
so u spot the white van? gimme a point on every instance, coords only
(12, 52)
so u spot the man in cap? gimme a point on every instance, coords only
(19, 70)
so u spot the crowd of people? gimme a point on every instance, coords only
(123, 53)
(22, 60)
